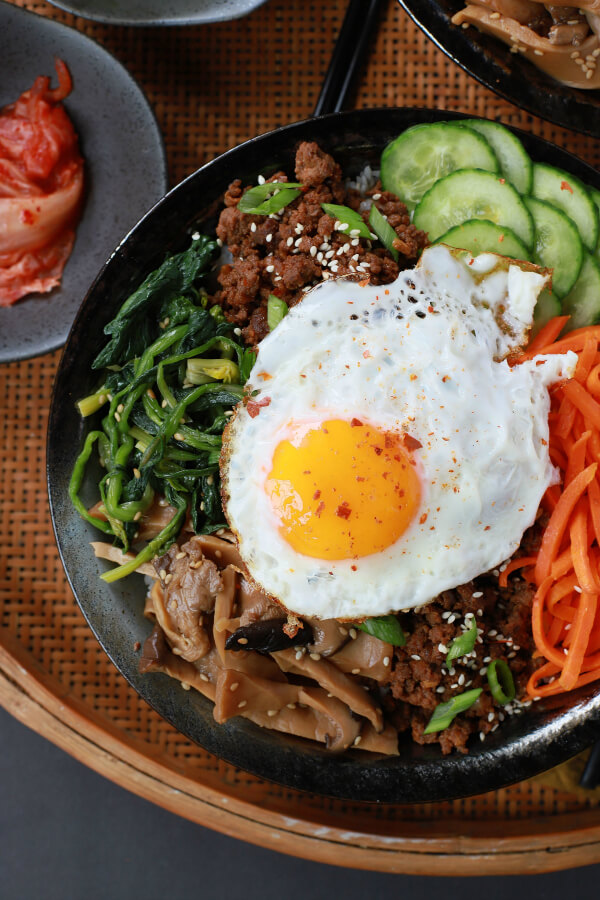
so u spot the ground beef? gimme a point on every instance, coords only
(287, 253)
(420, 680)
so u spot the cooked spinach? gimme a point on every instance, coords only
(173, 371)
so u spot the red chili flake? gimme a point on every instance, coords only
(316, 495)
(502, 180)
(445, 379)
(363, 283)
(302, 376)
(366, 354)
(423, 519)
(319, 509)
(487, 527)
(264, 375)
(27, 217)
(343, 511)
(544, 442)
(565, 186)
(378, 450)
(360, 478)
(411, 443)
(354, 569)
(355, 423)
(413, 377)
(255, 406)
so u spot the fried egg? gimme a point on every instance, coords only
(386, 450)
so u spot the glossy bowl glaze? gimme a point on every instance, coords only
(548, 733)
(508, 74)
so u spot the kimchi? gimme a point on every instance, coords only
(41, 186)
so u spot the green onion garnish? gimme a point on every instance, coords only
(386, 628)
(444, 713)
(501, 682)
(353, 222)
(276, 310)
(383, 230)
(268, 198)
(463, 644)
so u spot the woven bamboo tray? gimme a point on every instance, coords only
(212, 87)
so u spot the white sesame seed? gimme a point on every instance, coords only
(461, 679)
(237, 331)
(355, 671)
(269, 238)
(203, 676)
(386, 660)
(357, 740)
(315, 656)
(271, 712)
(313, 251)
(454, 686)
(297, 242)
(289, 241)
(416, 657)
(342, 630)
(483, 670)
(242, 703)
(451, 619)
(446, 615)
(195, 235)
(477, 595)
(353, 633)
(491, 717)
(482, 736)
(233, 687)
(577, 588)
(298, 654)
(270, 269)
(442, 648)
(291, 705)
(253, 227)
(440, 689)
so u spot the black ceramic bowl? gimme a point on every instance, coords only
(512, 76)
(548, 733)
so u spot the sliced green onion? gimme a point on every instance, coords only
(383, 230)
(276, 310)
(386, 628)
(355, 226)
(462, 644)
(248, 360)
(444, 713)
(268, 198)
(501, 682)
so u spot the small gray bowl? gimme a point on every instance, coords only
(159, 12)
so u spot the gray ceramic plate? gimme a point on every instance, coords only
(159, 12)
(125, 165)
(551, 731)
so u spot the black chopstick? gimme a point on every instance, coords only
(590, 777)
(348, 54)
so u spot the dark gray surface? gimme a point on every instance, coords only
(125, 166)
(68, 834)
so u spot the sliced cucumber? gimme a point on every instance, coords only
(582, 303)
(514, 160)
(569, 194)
(413, 162)
(595, 195)
(473, 194)
(557, 244)
(481, 236)
(546, 308)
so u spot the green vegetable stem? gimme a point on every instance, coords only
(171, 375)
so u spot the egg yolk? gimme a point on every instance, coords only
(344, 490)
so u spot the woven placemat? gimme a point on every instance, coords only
(212, 87)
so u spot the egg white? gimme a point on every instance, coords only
(349, 351)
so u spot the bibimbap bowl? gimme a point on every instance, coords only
(543, 735)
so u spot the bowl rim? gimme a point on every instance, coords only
(170, 21)
(389, 780)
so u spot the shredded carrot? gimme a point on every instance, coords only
(565, 615)
(512, 565)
